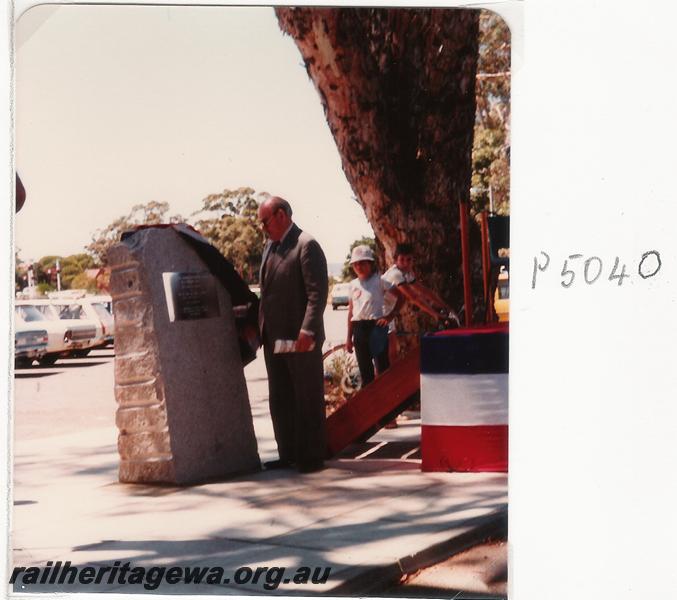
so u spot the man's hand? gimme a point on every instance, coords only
(384, 321)
(305, 342)
(349, 345)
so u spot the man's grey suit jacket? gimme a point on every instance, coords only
(294, 288)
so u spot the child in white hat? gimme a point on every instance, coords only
(367, 323)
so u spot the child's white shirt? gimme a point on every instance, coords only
(368, 297)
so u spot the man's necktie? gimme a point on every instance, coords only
(273, 248)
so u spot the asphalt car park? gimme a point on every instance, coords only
(71, 395)
(97, 356)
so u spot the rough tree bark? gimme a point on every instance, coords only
(398, 90)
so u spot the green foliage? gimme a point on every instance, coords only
(84, 261)
(151, 213)
(341, 379)
(44, 271)
(493, 71)
(491, 145)
(83, 282)
(73, 266)
(43, 288)
(229, 221)
(491, 171)
(47, 262)
(347, 273)
(19, 272)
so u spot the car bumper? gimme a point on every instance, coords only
(30, 353)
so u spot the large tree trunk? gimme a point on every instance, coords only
(398, 89)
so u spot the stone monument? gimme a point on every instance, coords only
(183, 409)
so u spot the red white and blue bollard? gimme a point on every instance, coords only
(464, 400)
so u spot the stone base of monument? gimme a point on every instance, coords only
(183, 410)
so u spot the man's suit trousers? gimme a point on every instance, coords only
(296, 387)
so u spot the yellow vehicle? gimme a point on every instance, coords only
(502, 296)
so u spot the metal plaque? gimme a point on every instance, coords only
(190, 296)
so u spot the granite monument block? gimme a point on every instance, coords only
(183, 409)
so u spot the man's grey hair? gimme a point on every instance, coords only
(277, 202)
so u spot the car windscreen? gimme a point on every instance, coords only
(49, 312)
(69, 311)
(30, 313)
(102, 312)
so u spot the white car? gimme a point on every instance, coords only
(340, 295)
(30, 343)
(75, 304)
(64, 337)
(101, 307)
(72, 314)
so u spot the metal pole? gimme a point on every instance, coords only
(465, 259)
(58, 275)
(486, 268)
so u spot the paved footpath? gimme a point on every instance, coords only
(368, 520)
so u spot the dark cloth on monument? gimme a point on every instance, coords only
(294, 290)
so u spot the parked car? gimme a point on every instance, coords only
(30, 343)
(64, 337)
(339, 295)
(100, 307)
(502, 296)
(106, 300)
(75, 304)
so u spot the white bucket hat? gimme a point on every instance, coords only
(361, 253)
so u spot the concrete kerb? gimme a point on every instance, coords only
(374, 579)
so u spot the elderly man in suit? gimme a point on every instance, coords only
(294, 291)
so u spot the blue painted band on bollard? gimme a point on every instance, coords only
(466, 351)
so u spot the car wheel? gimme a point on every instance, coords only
(48, 360)
(23, 363)
(80, 353)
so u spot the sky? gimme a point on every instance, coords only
(122, 105)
